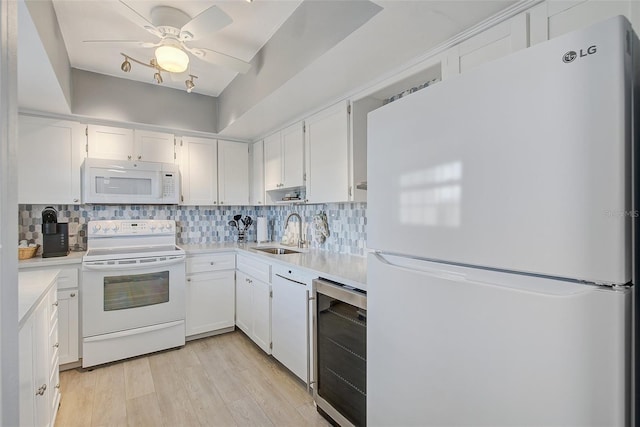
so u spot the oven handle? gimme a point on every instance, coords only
(133, 266)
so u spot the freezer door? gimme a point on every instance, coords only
(451, 346)
(521, 164)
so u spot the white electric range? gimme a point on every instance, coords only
(133, 290)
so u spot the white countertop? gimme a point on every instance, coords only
(38, 261)
(347, 269)
(32, 287)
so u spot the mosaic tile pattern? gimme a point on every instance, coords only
(208, 224)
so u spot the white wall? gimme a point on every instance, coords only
(8, 213)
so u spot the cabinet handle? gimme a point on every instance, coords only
(215, 203)
(75, 200)
(211, 263)
(189, 279)
(222, 203)
(55, 304)
(41, 390)
(139, 157)
(72, 295)
(129, 157)
(56, 345)
(58, 385)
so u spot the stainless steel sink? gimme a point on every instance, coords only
(277, 251)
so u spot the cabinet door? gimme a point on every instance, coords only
(154, 146)
(26, 373)
(261, 305)
(289, 324)
(327, 155)
(293, 156)
(50, 153)
(272, 162)
(68, 326)
(42, 363)
(243, 303)
(233, 173)
(199, 171)
(493, 43)
(105, 142)
(210, 301)
(257, 174)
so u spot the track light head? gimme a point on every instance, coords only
(126, 65)
(189, 83)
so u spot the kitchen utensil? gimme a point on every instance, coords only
(232, 223)
(236, 218)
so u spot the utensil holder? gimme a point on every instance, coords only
(241, 236)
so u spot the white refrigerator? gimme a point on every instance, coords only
(500, 219)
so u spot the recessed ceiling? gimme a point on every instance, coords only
(253, 25)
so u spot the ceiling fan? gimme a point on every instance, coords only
(176, 30)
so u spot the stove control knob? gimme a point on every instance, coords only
(168, 226)
(152, 227)
(96, 228)
(115, 228)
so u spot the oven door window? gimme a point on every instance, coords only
(135, 290)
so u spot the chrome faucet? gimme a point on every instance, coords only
(286, 223)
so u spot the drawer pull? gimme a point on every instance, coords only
(211, 263)
(189, 279)
(58, 385)
(72, 295)
(55, 304)
(56, 345)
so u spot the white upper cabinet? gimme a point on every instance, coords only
(154, 146)
(233, 173)
(199, 171)
(499, 40)
(554, 18)
(284, 158)
(327, 152)
(106, 142)
(256, 196)
(293, 156)
(272, 162)
(50, 153)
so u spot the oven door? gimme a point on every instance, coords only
(132, 293)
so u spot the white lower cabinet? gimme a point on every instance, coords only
(253, 301)
(290, 320)
(39, 392)
(210, 294)
(68, 297)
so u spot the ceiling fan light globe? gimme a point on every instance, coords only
(172, 59)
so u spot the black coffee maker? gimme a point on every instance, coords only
(55, 235)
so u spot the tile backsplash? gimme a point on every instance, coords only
(207, 224)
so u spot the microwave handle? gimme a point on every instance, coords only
(132, 266)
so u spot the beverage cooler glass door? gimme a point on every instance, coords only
(340, 348)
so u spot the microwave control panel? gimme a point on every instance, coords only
(169, 185)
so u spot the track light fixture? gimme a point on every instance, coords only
(189, 83)
(126, 65)
(157, 76)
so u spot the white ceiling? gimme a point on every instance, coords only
(393, 38)
(253, 24)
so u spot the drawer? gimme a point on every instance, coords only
(293, 274)
(68, 278)
(211, 262)
(256, 268)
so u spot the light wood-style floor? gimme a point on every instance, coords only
(224, 380)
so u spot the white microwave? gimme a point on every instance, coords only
(129, 182)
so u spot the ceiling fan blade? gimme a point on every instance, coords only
(119, 42)
(218, 58)
(207, 22)
(132, 15)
